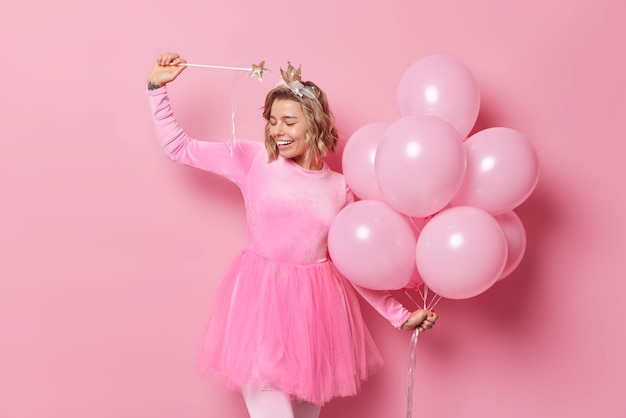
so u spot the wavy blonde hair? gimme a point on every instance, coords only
(321, 135)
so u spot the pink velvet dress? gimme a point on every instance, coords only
(283, 316)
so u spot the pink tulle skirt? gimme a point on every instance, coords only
(295, 328)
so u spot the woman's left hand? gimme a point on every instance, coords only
(166, 69)
(421, 320)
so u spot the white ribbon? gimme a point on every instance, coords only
(411, 370)
(413, 347)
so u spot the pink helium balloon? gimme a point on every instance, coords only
(461, 252)
(502, 170)
(358, 160)
(440, 85)
(372, 245)
(515, 236)
(420, 164)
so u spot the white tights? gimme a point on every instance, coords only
(264, 403)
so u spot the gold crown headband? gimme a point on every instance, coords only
(292, 80)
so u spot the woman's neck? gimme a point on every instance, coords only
(307, 164)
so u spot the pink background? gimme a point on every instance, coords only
(110, 254)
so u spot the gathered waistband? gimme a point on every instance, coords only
(274, 261)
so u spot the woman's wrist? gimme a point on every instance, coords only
(153, 86)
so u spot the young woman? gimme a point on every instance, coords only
(286, 327)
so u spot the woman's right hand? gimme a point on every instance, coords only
(166, 69)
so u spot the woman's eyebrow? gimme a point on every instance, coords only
(284, 117)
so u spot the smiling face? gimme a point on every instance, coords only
(303, 127)
(287, 126)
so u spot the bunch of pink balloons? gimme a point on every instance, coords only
(423, 169)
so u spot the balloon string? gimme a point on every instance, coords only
(406, 292)
(411, 372)
(425, 304)
(233, 105)
(414, 224)
(413, 348)
(434, 302)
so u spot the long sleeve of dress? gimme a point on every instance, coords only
(386, 305)
(229, 160)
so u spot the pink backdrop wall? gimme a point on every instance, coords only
(110, 253)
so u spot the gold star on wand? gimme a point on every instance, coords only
(258, 70)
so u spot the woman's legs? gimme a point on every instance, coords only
(263, 403)
(269, 403)
(305, 409)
